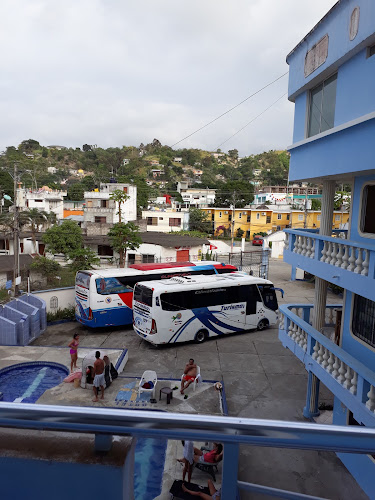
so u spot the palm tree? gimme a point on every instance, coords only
(35, 219)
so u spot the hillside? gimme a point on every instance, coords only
(154, 168)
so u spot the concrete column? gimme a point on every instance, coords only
(320, 299)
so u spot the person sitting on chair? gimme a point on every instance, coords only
(212, 457)
(214, 493)
(189, 375)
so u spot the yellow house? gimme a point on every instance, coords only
(265, 219)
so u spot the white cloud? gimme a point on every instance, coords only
(114, 72)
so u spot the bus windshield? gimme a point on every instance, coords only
(269, 296)
(143, 294)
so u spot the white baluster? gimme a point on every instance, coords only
(295, 248)
(281, 322)
(295, 330)
(371, 399)
(331, 361)
(301, 340)
(319, 359)
(359, 262)
(325, 358)
(352, 259)
(286, 243)
(354, 382)
(304, 345)
(324, 252)
(345, 259)
(336, 366)
(303, 249)
(348, 378)
(333, 254)
(308, 248)
(290, 329)
(316, 351)
(365, 263)
(297, 335)
(341, 377)
(312, 251)
(340, 255)
(328, 253)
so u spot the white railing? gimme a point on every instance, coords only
(338, 365)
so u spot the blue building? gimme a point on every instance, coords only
(331, 82)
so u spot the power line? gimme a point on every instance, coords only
(251, 121)
(229, 110)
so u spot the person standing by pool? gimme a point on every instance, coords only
(188, 459)
(99, 376)
(74, 351)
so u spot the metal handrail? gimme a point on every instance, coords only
(232, 431)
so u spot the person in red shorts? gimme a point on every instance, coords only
(190, 373)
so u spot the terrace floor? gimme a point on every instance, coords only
(261, 380)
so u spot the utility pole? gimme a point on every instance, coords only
(233, 222)
(305, 219)
(16, 270)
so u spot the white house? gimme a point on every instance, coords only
(166, 220)
(43, 199)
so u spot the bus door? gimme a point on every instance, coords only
(251, 295)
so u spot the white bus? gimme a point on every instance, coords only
(104, 296)
(195, 308)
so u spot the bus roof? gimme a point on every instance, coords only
(153, 265)
(203, 281)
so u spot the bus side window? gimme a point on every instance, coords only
(173, 301)
(250, 294)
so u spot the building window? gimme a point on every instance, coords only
(368, 209)
(152, 221)
(220, 213)
(371, 51)
(240, 215)
(148, 259)
(300, 216)
(105, 251)
(279, 216)
(363, 320)
(125, 189)
(322, 107)
(248, 218)
(316, 56)
(213, 217)
(319, 217)
(287, 216)
(104, 204)
(268, 219)
(337, 217)
(173, 222)
(230, 217)
(54, 303)
(258, 216)
(100, 220)
(131, 258)
(354, 23)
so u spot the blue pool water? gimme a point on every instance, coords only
(149, 467)
(26, 382)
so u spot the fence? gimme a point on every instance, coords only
(255, 262)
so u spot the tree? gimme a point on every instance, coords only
(239, 193)
(83, 258)
(86, 148)
(233, 153)
(36, 218)
(123, 237)
(198, 220)
(119, 197)
(29, 145)
(76, 191)
(240, 232)
(48, 267)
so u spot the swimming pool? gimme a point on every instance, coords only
(149, 467)
(26, 382)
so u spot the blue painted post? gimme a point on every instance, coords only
(306, 314)
(230, 471)
(293, 273)
(103, 442)
(312, 397)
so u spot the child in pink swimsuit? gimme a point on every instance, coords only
(74, 351)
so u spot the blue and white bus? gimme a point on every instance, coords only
(104, 296)
(197, 307)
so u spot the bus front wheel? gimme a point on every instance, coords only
(263, 324)
(200, 336)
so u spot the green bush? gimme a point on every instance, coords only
(67, 313)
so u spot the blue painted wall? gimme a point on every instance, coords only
(349, 151)
(300, 110)
(337, 27)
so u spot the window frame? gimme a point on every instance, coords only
(308, 104)
(361, 212)
(355, 337)
(279, 216)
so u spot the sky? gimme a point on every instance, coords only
(121, 72)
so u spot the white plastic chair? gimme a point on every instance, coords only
(197, 379)
(148, 376)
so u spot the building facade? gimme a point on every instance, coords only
(44, 199)
(331, 75)
(166, 220)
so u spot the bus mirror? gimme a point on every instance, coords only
(279, 290)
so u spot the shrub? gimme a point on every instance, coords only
(60, 314)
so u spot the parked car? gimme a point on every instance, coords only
(258, 240)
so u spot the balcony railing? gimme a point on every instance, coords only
(343, 374)
(231, 431)
(351, 264)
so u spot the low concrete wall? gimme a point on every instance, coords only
(65, 298)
